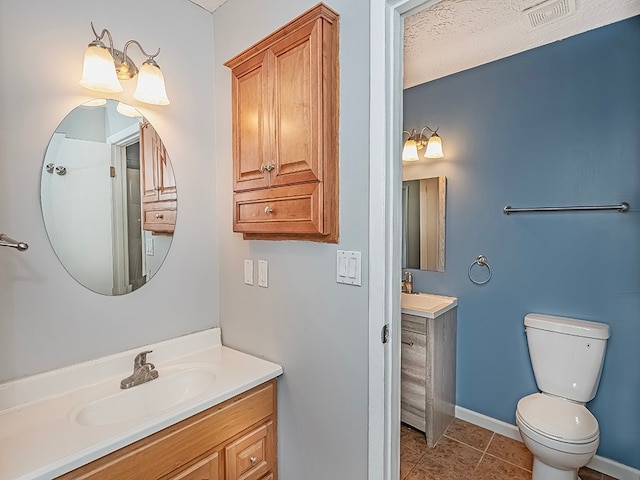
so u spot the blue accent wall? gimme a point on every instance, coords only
(557, 125)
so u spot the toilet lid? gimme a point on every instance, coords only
(558, 418)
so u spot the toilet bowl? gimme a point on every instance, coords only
(562, 435)
(555, 425)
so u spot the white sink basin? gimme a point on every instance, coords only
(427, 304)
(173, 387)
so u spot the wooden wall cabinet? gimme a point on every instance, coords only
(235, 440)
(285, 132)
(428, 373)
(158, 184)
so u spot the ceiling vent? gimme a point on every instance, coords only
(549, 11)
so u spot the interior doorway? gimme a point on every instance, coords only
(385, 186)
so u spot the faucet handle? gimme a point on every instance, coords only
(141, 358)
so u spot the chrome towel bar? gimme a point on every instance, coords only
(623, 207)
(6, 241)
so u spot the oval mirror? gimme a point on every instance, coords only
(108, 197)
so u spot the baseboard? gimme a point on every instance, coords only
(600, 464)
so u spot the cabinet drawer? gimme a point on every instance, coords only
(292, 209)
(159, 220)
(413, 323)
(251, 456)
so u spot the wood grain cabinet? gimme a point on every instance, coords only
(428, 373)
(285, 132)
(158, 184)
(235, 440)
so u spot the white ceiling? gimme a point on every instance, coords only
(450, 36)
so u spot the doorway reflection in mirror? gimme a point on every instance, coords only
(93, 214)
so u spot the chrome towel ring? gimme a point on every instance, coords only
(481, 261)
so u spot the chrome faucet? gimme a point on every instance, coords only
(407, 282)
(142, 371)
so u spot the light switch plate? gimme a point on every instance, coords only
(263, 273)
(149, 247)
(349, 267)
(248, 271)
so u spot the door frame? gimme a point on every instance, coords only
(386, 44)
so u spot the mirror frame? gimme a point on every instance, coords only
(431, 231)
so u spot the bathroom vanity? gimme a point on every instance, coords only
(428, 379)
(211, 414)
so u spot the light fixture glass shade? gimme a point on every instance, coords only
(127, 110)
(99, 70)
(434, 147)
(97, 102)
(150, 88)
(410, 151)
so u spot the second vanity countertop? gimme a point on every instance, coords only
(426, 305)
(41, 437)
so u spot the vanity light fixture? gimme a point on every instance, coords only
(104, 67)
(417, 141)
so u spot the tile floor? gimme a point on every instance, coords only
(468, 452)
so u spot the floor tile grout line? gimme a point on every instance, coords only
(510, 463)
(484, 452)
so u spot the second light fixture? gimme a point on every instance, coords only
(417, 141)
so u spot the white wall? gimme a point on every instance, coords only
(47, 320)
(316, 328)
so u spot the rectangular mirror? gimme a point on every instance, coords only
(423, 223)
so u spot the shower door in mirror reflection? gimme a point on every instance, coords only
(91, 199)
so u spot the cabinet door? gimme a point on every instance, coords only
(158, 181)
(148, 167)
(412, 379)
(251, 124)
(251, 457)
(297, 76)
(206, 469)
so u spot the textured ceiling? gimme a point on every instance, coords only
(454, 35)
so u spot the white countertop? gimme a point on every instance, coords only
(39, 438)
(426, 305)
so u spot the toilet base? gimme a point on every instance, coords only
(542, 471)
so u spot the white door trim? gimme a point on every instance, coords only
(386, 45)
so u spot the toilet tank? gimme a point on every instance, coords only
(566, 354)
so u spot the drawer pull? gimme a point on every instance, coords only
(404, 342)
(268, 210)
(253, 460)
(159, 216)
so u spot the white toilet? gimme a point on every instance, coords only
(567, 357)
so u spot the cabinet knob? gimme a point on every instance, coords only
(268, 210)
(253, 460)
(159, 216)
(267, 167)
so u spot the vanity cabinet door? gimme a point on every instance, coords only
(205, 469)
(413, 378)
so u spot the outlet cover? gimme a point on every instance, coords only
(248, 272)
(263, 273)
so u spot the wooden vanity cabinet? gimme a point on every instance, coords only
(235, 440)
(428, 373)
(158, 184)
(285, 132)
